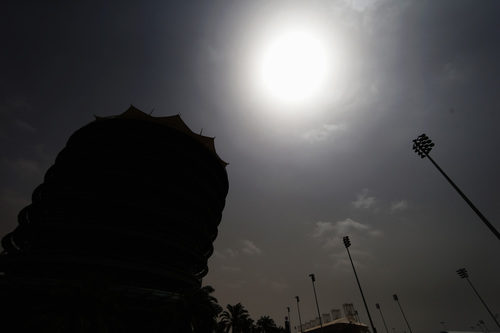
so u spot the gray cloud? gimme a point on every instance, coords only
(330, 234)
(363, 200)
(250, 248)
(231, 253)
(322, 133)
(399, 205)
(323, 228)
(227, 253)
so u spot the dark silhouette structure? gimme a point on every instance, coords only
(396, 298)
(118, 235)
(381, 315)
(340, 325)
(313, 279)
(422, 145)
(347, 244)
(237, 318)
(298, 311)
(462, 272)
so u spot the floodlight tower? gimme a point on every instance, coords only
(298, 310)
(395, 297)
(347, 243)
(289, 320)
(313, 279)
(462, 272)
(422, 145)
(378, 307)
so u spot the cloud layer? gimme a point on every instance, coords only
(331, 233)
(250, 248)
(364, 201)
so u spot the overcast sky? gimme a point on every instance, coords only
(301, 177)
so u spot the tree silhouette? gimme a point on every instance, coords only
(266, 324)
(203, 309)
(237, 319)
(248, 326)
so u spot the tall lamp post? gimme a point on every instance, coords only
(313, 279)
(422, 145)
(289, 319)
(381, 315)
(347, 243)
(462, 272)
(298, 310)
(397, 300)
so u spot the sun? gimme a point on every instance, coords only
(293, 66)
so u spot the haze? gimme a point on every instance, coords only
(301, 175)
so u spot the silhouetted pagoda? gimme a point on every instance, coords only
(129, 209)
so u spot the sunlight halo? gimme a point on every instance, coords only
(293, 66)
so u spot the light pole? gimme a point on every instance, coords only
(313, 279)
(422, 145)
(289, 319)
(397, 300)
(356, 314)
(298, 310)
(347, 243)
(462, 272)
(383, 320)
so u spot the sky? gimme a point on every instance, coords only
(303, 173)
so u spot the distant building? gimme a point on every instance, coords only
(334, 323)
(341, 325)
(335, 314)
(349, 311)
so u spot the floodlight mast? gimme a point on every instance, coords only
(422, 145)
(462, 272)
(395, 297)
(347, 244)
(313, 279)
(298, 310)
(289, 320)
(383, 319)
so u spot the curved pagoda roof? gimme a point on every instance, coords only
(173, 122)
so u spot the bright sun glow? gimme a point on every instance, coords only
(293, 66)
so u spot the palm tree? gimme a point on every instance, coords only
(237, 318)
(248, 326)
(266, 324)
(204, 309)
(221, 327)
